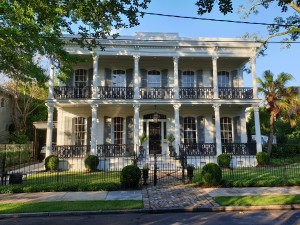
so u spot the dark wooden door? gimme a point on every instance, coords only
(154, 138)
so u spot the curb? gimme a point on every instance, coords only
(155, 211)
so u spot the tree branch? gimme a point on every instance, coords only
(295, 6)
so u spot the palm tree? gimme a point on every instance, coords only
(277, 96)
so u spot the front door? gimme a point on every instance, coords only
(154, 138)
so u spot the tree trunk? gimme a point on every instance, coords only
(271, 135)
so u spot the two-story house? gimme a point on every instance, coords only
(156, 84)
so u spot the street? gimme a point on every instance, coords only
(223, 218)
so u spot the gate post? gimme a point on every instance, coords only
(155, 170)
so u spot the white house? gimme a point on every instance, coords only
(156, 83)
(6, 114)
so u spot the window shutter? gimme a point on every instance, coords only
(164, 78)
(89, 131)
(107, 129)
(68, 133)
(180, 78)
(237, 129)
(108, 81)
(143, 78)
(211, 78)
(201, 129)
(129, 78)
(199, 78)
(90, 78)
(235, 78)
(129, 130)
(181, 129)
(214, 129)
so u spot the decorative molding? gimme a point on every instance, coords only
(136, 106)
(216, 106)
(176, 106)
(136, 57)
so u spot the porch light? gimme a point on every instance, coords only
(155, 116)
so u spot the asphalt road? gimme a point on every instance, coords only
(223, 218)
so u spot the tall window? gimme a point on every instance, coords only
(223, 79)
(118, 130)
(80, 131)
(154, 79)
(226, 130)
(119, 78)
(80, 78)
(189, 126)
(188, 78)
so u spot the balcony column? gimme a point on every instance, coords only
(257, 128)
(253, 71)
(177, 126)
(95, 76)
(51, 82)
(218, 128)
(136, 77)
(50, 106)
(136, 127)
(176, 79)
(94, 129)
(215, 77)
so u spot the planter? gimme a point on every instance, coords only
(145, 176)
(190, 174)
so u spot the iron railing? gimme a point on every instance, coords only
(157, 93)
(114, 150)
(199, 149)
(66, 92)
(196, 93)
(104, 92)
(239, 148)
(235, 93)
(71, 151)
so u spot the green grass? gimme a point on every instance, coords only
(70, 206)
(257, 200)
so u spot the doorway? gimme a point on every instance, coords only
(155, 136)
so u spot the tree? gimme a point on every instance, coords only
(289, 26)
(277, 97)
(28, 28)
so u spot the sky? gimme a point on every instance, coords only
(277, 59)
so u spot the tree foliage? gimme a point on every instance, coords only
(31, 27)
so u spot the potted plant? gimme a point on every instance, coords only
(145, 174)
(171, 139)
(190, 171)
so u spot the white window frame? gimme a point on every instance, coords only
(223, 79)
(188, 79)
(154, 73)
(226, 130)
(80, 130)
(189, 131)
(80, 78)
(118, 121)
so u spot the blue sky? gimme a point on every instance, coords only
(277, 59)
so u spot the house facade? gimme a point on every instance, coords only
(156, 84)
(6, 114)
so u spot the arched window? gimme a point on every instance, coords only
(81, 78)
(223, 79)
(188, 78)
(226, 130)
(80, 131)
(154, 78)
(189, 129)
(119, 78)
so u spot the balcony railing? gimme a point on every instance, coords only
(235, 93)
(71, 151)
(239, 148)
(66, 92)
(157, 93)
(115, 92)
(199, 149)
(114, 150)
(196, 93)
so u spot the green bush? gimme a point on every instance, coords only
(91, 162)
(51, 163)
(130, 176)
(211, 174)
(285, 150)
(224, 160)
(263, 158)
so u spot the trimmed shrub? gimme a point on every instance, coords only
(224, 160)
(263, 158)
(91, 162)
(51, 163)
(211, 174)
(130, 176)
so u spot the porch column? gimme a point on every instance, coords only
(95, 76)
(215, 76)
(253, 71)
(177, 126)
(51, 82)
(94, 129)
(49, 138)
(218, 128)
(257, 128)
(176, 82)
(243, 127)
(136, 77)
(136, 126)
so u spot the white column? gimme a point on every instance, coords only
(136, 126)
(49, 138)
(177, 126)
(95, 76)
(218, 128)
(51, 83)
(243, 127)
(257, 128)
(176, 80)
(253, 71)
(136, 77)
(215, 76)
(94, 129)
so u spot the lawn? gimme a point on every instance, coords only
(70, 206)
(257, 200)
